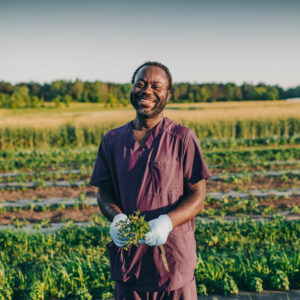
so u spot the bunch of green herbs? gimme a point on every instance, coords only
(134, 228)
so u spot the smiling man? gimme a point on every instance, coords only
(154, 165)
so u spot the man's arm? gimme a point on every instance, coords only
(188, 208)
(107, 203)
(191, 205)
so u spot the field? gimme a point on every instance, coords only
(52, 233)
(94, 114)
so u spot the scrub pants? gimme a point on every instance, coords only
(187, 292)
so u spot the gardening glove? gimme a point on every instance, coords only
(116, 233)
(159, 231)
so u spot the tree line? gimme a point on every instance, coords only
(34, 94)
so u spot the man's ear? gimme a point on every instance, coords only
(168, 95)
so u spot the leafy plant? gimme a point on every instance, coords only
(256, 284)
(228, 286)
(280, 281)
(134, 229)
(201, 290)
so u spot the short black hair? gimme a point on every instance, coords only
(156, 64)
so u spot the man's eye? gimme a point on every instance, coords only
(139, 84)
(156, 87)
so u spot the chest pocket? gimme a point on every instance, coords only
(165, 176)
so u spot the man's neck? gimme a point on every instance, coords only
(143, 124)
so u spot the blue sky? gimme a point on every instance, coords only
(200, 41)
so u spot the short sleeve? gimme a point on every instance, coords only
(194, 166)
(101, 175)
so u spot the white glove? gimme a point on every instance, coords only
(115, 232)
(159, 231)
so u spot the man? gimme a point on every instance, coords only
(154, 165)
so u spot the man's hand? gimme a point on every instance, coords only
(159, 231)
(115, 232)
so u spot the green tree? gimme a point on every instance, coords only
(204, 94)
(6, 88)
(4, 100)
(77, 90)
(273, 93)
(67, 99)
(111, 101)
(190, 96)
(57, 101)
(35, 102)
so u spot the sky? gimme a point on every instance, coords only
(200, 41)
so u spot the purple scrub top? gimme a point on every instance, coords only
(152, 179)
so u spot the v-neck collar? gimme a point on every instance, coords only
(151, 137)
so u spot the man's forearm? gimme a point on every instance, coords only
(108, 205)
(190, 206)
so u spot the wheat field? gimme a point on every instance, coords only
(96, 114)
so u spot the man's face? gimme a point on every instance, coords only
(150, 94)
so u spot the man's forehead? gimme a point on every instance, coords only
(152, 72)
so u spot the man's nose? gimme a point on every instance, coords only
(148, 89)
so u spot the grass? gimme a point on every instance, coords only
(82, 158)
(79, 135)
(85, 124)
(96, 114)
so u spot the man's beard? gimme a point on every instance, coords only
(143, 112)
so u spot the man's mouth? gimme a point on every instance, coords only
(146, 102)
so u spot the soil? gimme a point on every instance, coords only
(214, 170)
(254, 168)
(212, 186)
(84, 214)
(78, 215)
(52, 192)
(255, 184)
(281, 203)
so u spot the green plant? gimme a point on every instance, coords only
(280, 281)
(228, 286)
(37, 290)
(201, 290)
(134, 229)
(256, 284)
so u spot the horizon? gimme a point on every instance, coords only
(174, 83)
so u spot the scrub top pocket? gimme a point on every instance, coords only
(165, 176)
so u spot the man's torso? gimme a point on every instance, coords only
(150, 178)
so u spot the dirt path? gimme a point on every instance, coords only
(53, 192)
(84, 214)
(212, 186)
(78, 215)
(254, 184)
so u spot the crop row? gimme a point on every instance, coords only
(52, 179)
(225, 207)
(211, 197)
(232, 143)
(230, 176)
(236, 206)
(291, 167)
(217, 204)
(73, 175)
(242, 158)
(288, 177)
(72, 262)
(54, 176)
(71, 135)
(55, 159)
